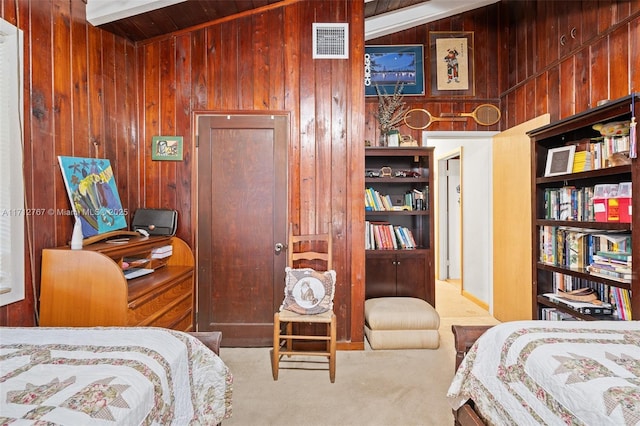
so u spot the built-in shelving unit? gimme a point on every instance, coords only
(564, 245)
(402, 263)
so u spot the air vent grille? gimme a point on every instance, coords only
(331, 41)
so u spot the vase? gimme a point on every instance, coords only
(383, 141)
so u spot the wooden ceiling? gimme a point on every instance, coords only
(195, 12)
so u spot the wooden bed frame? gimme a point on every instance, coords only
(211, 339)
(464, 336)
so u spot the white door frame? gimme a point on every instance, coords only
(476, 209)
(444, 245)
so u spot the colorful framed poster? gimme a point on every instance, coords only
(93, 194)
(166, 148)
(389, 66)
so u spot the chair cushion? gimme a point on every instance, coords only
(307, 291)
(400, 313)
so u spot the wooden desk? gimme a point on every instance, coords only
(82, 288)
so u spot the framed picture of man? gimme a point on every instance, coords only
(451, 63)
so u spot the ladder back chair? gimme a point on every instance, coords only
(315, 253)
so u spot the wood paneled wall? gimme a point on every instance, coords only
(547, 70)
(80, 100)
(522, 66)
(262, 62)
(90, 93)
(484, 24)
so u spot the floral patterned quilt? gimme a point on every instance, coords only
(110, 376)
(553, 373)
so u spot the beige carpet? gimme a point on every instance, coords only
(382, 387)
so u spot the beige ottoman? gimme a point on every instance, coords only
(401, 323)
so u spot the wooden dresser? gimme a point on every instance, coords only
(87, 287)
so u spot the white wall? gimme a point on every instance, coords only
(477, 204)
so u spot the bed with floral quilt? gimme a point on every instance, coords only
(110, 376)
(549, 373)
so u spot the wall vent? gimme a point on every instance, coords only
(331, 41)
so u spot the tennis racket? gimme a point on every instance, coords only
(485, 114)
(421, 119)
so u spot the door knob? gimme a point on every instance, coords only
(279, 247)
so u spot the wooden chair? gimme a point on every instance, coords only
(305, 251)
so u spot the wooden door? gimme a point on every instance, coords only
(242, 216)
(512, 290)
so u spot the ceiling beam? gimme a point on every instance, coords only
(419, 14)
(103, 11)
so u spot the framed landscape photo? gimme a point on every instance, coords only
(388, 66)
(167, 148)
(452, 70)
(560, 160)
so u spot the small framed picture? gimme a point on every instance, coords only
(167, 148)
(560, 160)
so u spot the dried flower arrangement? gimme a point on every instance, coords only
(391, 108)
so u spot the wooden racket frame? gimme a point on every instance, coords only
(474, 114)
(431, 118)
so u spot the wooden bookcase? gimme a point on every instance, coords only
(564, 133)
(402, 272)
(87, 287)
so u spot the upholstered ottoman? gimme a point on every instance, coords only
(401, 323)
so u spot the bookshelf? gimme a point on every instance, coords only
(577, 234)
(87, 287)
(399, 223)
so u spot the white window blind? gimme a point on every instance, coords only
(12, 212)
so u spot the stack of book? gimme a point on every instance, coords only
(586, 308)
(612, 265)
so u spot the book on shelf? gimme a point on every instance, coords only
(578, 247)
(608, 274)
(622, 300)
(581, 161)
(614, 263)
(401, 241)
(611, 265)
(612, 255)
(582, 307)
(385, 236)
(553, 314)
(391, 233)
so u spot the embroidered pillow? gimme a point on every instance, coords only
(307, 291)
